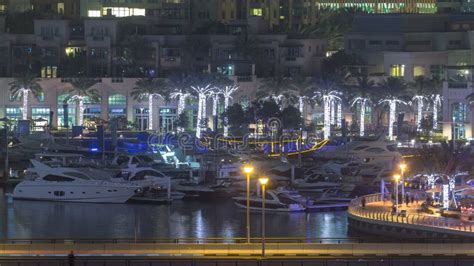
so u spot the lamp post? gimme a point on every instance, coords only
(263, 182)
(397, 179)
(6, 166)
(403, 166)
(248, 170)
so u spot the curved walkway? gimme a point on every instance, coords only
(378, 209)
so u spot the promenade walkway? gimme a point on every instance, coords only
(379, 209)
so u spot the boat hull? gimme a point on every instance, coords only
(83, 192)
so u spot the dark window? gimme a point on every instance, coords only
(59, 193)
(57, 178)
(392, 42)
(375, 42)
(427, 42)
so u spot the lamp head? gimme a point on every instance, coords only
(248, 169)
(403, 166)
(396, 177)
(263, 180)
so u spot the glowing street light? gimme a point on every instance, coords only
(403, 166)
(397, 179)
(263, 182)
(248, 170)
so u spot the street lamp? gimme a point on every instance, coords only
(397, 179)
(6, 166)
(403, 166)
(248, 170)
(263, 182)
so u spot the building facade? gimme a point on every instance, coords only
(101, 48)
(435, 46)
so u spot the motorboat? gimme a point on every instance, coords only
(70, 185)
(315, 182)
(364, 157)
(53, 159)
(275, 200)
(126, 161)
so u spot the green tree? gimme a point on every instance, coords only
(363, 94)
(341, 62)
(420, 89)
(275, 88)
(135, 52)
(21, 87)
(393, 93)
(149, 89)
(334, 24)
(290, 118)
(82, 90)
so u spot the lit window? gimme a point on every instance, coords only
(256, 12)
(123, 11)
(419, 71)
(41, 97)
(397, 70)
(117, 99)
(93, 13)
(49, 71)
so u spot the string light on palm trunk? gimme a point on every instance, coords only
(363, 103)
(227, 93)
(202, 92)
(436, 104)
(419, 99)
(339, 114)
(24, 114)
(392, 102)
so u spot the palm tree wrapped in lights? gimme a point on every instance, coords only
(204, 85)
(301, 87)
(326, 92)
(419, 88)
(21, 87)
(363, 91)
(393, 89)
(149, 89)
(436, 98)
(82, 90)
(227, 92)
(179, 84)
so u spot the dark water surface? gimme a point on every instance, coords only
(181, 219)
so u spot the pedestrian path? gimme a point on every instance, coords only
(378, 208)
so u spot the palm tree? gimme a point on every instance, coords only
(21, 87)
(81, 90)
(362, 95)
(227, 92)
(326, 92)
(149, 89)
(437, 84)
(419, 88)
(179, 85)
(203, 85)
(393, 90)
(275, 88)
(302, 88)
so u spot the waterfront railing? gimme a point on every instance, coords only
(358, 209)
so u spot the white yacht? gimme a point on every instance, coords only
(366, 154)
(314, 182)
(275, 200)
(71, 185)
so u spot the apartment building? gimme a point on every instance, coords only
(407, 46)
(101, 49)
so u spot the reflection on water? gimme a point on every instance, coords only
(191, 219)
